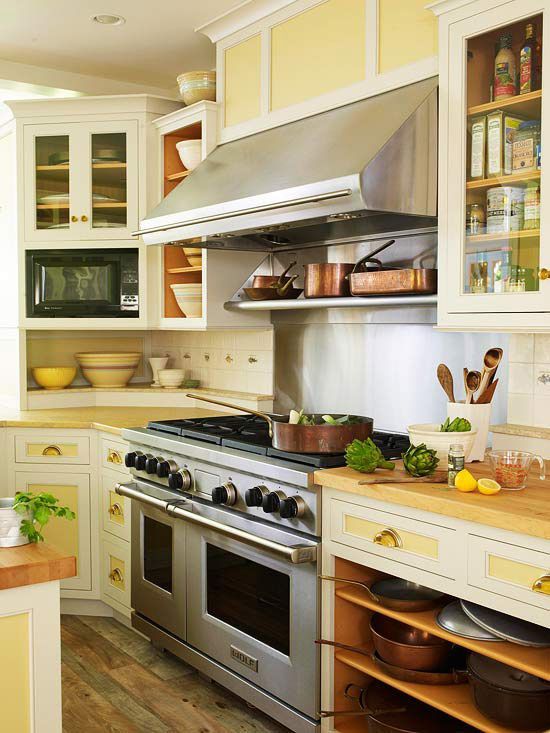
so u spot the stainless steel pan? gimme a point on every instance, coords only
(320, 438)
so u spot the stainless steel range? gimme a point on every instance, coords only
(226, 534)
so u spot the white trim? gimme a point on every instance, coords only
(446, 6)
(248, 12)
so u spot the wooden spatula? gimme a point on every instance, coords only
(446, 381)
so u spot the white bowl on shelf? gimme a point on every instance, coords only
(171, 377)
(190, 152)
(430, 434)
(196, 86)
(189, 301)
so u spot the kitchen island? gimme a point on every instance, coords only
(490, 550)
(30, 677)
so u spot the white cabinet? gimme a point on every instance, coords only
(494, 247)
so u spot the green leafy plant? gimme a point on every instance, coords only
(419, 460)
(458, 425)
(366, 457)
(40, 508)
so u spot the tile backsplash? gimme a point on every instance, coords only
(234, 360)
(529, 380)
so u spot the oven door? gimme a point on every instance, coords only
(158, 563)
(256, 613)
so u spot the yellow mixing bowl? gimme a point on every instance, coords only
(54, 377)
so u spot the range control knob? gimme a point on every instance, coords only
(130, 458)
(141, 460)
(180, 480)
(272, 501)
(151, 464)
(166, 467)
(255, 496)
(226, 494)
(293, 506)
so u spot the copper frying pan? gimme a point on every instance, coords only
(320, 438)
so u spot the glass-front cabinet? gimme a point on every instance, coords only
(494, 253)
(81, 181)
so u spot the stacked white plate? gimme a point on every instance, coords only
(189, 298)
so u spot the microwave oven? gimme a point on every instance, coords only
(84, 283)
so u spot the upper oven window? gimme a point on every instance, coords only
(250, 597)
(157, 553)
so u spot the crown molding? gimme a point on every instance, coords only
(242, 15)
(445, 6)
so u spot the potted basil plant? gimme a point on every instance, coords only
(23, 517)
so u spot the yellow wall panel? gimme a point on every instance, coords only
(406, 33)
(242, 81)
(318, 51)
(15, 683)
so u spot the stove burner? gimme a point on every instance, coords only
(250, 434)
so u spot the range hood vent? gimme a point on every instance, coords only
(340, 176)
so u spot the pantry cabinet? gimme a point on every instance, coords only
(494, 244)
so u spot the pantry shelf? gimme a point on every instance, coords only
(529, 659)
(455, 700)
(501, 236)
(178, 270)
(527, 104)
(503, 180)
(394, 301)
(177, 176)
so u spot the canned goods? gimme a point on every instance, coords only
(505, 209)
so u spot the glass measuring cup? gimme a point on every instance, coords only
(511, 468)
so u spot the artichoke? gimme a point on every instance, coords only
(458, 425)
(366, 457)
(419, 460)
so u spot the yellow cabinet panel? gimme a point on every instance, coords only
(511, 571)
(411, 541)
(15, 683)
(406, 33)
(242, 81)
(318, 51)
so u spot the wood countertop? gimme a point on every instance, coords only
(525, 512)
(34, 563)
(106, 419)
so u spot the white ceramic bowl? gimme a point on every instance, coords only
(431, 435)
(108, 369)
(190, 153)
(190, 304)
(171, 377)
(196, 86)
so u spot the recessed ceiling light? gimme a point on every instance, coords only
(108, 19)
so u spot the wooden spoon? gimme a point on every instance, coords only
(487, 396)
(472, 380)
(446, 381)
(491, 361)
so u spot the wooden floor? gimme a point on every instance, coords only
(114, 681)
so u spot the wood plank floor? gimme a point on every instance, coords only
(114, 681)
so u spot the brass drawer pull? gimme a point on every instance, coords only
(542, 585)
(544, 273)
(113, 456)
(116, 576)
(388, 538)
(74, 218)
(52, 450)
(115, 510)
(84, 218)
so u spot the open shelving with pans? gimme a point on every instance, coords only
(352, 611)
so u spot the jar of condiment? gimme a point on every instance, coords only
(455, 462)
(526, 149)
(475, 219)
(504, 209)
(531, 212)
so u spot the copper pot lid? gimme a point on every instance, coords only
(506, 677)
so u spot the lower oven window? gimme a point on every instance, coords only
(250, 597)
(157, 553)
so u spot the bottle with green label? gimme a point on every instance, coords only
(505, 69)
(527, 61)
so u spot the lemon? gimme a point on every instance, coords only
(487, 486)
(464, 481)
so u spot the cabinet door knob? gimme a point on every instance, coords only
(542, 585)
(115, 510)
(74, 218)
(113, 456)
(52, 450)
(84, 218)
(116, 576)
(388, 538)
(544, 274)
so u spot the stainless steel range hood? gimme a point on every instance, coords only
(342, 175)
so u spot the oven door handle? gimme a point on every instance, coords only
(296, 554)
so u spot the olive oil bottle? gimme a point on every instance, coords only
(528, 63)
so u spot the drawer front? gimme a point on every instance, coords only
(115, 509)
(392, 536)
(56, 450)
(510, 571)
(115, 571)
(112, 455)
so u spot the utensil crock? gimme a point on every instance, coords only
(480, 418)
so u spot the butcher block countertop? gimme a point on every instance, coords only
(34, 563)
(106, 419)
(525, 512)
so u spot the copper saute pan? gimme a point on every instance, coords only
(272, 281)
(320, 438)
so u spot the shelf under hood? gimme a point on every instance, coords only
(351, 172)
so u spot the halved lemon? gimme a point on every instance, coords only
(464, 481)
(487, 486)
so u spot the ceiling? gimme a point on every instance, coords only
(156, 43)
